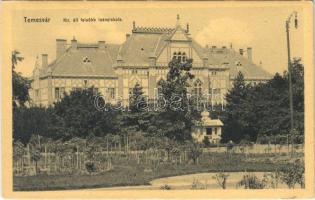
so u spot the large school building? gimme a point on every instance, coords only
(114, 69)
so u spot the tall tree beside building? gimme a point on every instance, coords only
(20, 84)
(264, 109)
(175, 120)
(235, 123)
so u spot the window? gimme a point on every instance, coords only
(134, 71)
(111, 93)
(214, 73)
(184, 57)
(181, 56)
(238, 63)
(197, 88)
(174, 55)
(209, 131)
(59, 92)
(62, 92)
(215, 131)
(86, 60)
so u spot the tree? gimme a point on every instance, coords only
(20, 84)
(76, 115)
(174, 120)
(29, 121)
(263, 109)
(137, 102)
(235, 119)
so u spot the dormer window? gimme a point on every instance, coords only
(86, 60)
(238, 63)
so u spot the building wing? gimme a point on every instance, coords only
(85, 60)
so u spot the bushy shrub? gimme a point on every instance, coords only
(250, 181)
(165, 187)
(292, 174)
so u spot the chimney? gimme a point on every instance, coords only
(44, 61)
(74, 43)
(241, 52)
(61, 46)
(127, 36)
(249, 54)
(101, 45)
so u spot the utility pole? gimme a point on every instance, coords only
(287, 26)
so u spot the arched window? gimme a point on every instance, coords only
(197, 88)
(184, 57)
(174, 55)
(179, 57)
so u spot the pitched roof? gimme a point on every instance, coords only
(237, 62)
(86, 60)
(144, 42)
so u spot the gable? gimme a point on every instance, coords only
(179, 35)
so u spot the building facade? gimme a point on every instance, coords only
(114, 69)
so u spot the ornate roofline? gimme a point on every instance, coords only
(154, 30)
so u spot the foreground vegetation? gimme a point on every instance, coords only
(128, 172)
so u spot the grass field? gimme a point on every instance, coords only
(129, 173)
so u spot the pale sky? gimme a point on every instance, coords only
(262, 28)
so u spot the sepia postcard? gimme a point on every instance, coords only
(179, 99)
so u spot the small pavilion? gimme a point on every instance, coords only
(207, 127)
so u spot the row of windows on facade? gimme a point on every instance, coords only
(60, 92)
